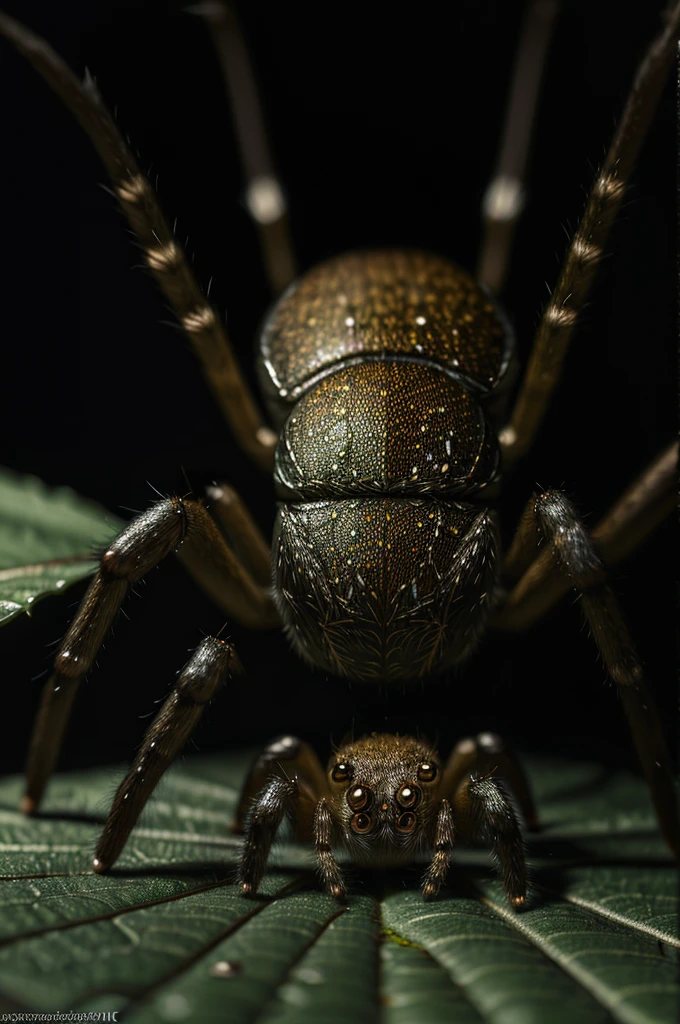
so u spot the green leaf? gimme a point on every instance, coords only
(48, 537)
(167, 936)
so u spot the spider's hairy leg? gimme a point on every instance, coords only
(488, 754)
(504, 197)
(140, 546)
(331, 875)
(585, 252)
(643, 506)
(276, 800)
(200, 679)
(168, 263)
(219, 572)
(135, 551)
(435, 876)
(574, 556)
(286, 775)
(265, 197)
(242, 531)
(483, 809)
(285, 757)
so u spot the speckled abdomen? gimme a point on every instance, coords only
(392, 427)
(377, 365)
(384, 589)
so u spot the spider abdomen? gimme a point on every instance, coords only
(379, 362)
(384, 589)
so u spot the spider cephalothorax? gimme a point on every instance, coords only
(383, 798)
(386, 800)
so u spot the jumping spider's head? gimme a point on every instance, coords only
(386, 800)
(384, 797)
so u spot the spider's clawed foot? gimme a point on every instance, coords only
(28, 805)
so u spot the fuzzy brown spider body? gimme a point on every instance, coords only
(386, 801)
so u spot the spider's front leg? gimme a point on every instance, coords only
(477, 804)
(287, 780)
(483, 809)
(435, 876)
(488, 754)
(274, 802)
(324, 827)
(137, 549)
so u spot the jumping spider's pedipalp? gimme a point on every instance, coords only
(386, 801)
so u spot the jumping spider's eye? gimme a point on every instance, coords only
(408, 796)
(359, 797)
(361, 822)
(406, 821)
(341, 772)
(427, 771)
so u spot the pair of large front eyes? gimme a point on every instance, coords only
(360, 798)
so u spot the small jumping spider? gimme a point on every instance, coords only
(385, 800)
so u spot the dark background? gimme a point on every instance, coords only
(385, 131)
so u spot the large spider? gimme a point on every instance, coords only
(231, 608)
